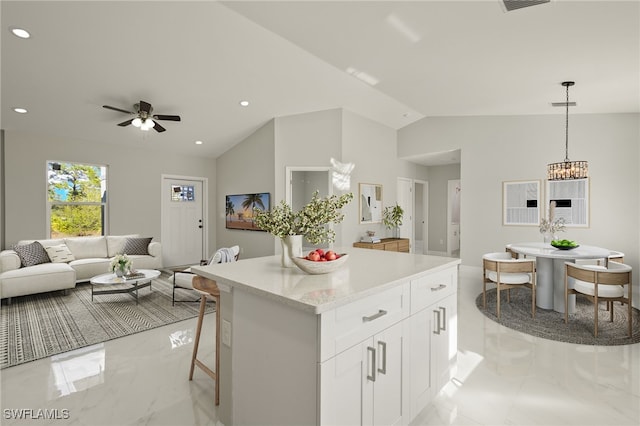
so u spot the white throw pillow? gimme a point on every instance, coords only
(60, 253)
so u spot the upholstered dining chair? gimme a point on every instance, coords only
(506, 273)
(184, 278)
(598, 283)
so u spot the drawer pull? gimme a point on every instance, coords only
(440, 287)
(374, 316)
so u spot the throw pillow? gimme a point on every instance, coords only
(60, 253)
(136, 246)
(31, 254)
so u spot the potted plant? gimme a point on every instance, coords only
(309, 222)
(392, 218)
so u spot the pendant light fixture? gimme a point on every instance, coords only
(567, 169)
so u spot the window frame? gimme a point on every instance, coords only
(103, 204)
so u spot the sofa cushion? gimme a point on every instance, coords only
(115, 243)
(31, 254)
(87, 247)
(60, 254)
(136, 246)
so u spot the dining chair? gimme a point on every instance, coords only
(599, 283)
(183, 278)
(506, 273)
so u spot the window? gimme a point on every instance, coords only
(76, 199)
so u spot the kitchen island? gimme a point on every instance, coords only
(369, 343)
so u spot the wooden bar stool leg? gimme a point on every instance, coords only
(203, 304)
(207, 286)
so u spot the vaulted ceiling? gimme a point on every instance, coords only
(391, 61)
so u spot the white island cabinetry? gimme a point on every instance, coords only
(332, 349)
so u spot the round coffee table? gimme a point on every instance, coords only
(110, 283)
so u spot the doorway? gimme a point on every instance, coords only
(421, 216)
(183, 220)
(453, 218)
(301, 184)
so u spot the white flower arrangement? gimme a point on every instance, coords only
(120, 262)
(310, 221)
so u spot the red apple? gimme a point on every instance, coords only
(320, 252)
(313, 256)
(330, 255)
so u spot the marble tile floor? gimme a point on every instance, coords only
(503, 378)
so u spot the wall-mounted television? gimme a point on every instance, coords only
(239, 210)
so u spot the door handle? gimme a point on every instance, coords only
(383, 346)
(444, 318)
(437, 323)
(372, 363)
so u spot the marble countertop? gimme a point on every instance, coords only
(366, 272)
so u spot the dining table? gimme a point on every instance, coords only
(550, 270)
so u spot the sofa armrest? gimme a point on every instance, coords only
(9, 260)
(155, 249)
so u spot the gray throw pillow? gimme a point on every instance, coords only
(136, 246)
(31, 254)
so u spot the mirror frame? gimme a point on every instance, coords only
(370, 188)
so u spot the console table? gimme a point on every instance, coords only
(387, 244)
(371, 343)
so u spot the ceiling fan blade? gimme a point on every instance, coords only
(167, 117)
(125, 123)
(117, 109)
(158, 127)
(145, 106)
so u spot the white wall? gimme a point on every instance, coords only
(496, 149)
(134, 182)
(247, 168)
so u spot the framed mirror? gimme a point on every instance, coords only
(370, 203)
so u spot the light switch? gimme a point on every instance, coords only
(226, 333)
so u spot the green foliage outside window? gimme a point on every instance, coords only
(77, 196)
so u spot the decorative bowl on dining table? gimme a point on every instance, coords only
(316, 267)
(564, 244)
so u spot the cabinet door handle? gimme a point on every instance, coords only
(444, 318)
(383, 346)
(440, 287)
(372, 363)
(437, 323)
(374, 316)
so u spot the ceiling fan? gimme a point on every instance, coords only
(144, 119)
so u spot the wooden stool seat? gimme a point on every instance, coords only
(208, 288)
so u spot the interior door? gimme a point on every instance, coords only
(183, 227)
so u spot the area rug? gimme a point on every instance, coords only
(549, 324)
(41, 325)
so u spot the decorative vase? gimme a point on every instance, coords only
(120, 272)
(548, 237)
(291, 247)
(396, 232)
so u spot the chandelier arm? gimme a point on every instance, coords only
(566, 133)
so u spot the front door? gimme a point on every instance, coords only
(183, 227)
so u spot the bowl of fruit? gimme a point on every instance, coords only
(319, 261)
(564, 244)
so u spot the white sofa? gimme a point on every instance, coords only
(91, 256)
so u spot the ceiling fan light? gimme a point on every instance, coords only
(137, 122)
(149, 123)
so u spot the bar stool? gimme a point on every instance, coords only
(207, 288)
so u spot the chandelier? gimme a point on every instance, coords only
(567, 169)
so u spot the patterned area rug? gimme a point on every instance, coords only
(41, 325)
(549, 324)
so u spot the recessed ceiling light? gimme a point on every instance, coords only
(199, 142)
(20, 32)
(244, 103)
(20, 110)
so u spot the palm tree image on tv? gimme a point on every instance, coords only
(239, 210)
